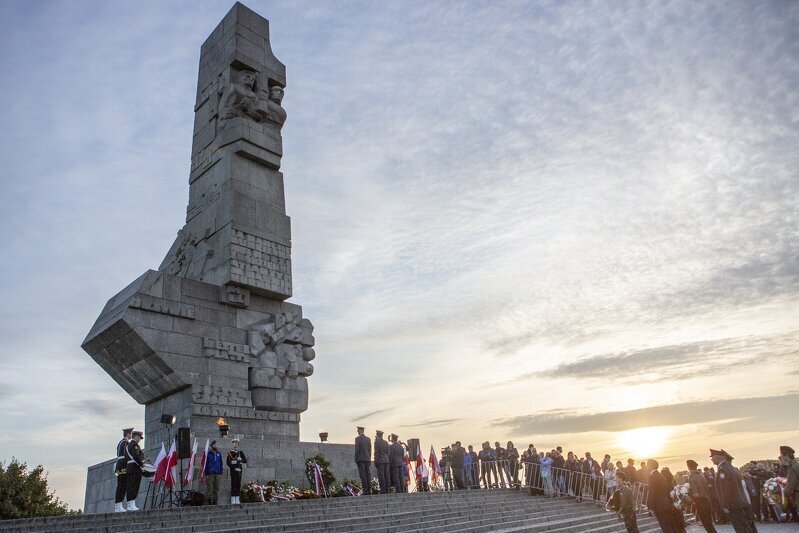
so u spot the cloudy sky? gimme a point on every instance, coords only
(551, 222)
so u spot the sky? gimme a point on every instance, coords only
(560, 223)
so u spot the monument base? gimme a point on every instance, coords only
(280, 460)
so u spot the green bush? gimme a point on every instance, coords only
(24, 494)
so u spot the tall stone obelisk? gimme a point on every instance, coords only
(209, 335)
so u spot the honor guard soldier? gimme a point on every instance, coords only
(731, 494)
(363, 458)
(788, 459)
(626, 505)
(381, 462)
(133, 470)
(700, 494)
(396, 461)
(120, 469)
(235, 460)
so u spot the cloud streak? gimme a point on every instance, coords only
(745, 412)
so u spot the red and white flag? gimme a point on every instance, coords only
(434, 465)
(421, 467)
(171, 477)
(202, 463)
(190, 472)
(160, 465)
(406, 457)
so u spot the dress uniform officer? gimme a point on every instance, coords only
(120, 469)
(731, 494)
(700, 494)
(396, 462)
(381, 462)
(235, 460)
(133, 470)
(363, 458)
(788, 458)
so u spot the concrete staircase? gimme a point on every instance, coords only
(437, 512)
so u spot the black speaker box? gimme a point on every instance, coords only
(184, 443)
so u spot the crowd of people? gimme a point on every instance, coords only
(715, 494)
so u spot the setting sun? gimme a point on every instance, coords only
(643, 442)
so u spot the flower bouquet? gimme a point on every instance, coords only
(774, 493)
(679, 496)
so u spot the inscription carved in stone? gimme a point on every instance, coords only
(226, 350)
(166, 307)
(260, 262)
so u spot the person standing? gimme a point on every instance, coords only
(120, 469)
(457, 464)
(788, 459)
(133, 469)
(381, 462)
(626, 503)
(658, 499)
(475, 467)
(213, 472)
(235, 464)
(363, 458)
(731, 495)
(512, 454)
(502, 463)
(395, 462)
(467, 469)
(488, 465)
(593, 475)
(699, 493)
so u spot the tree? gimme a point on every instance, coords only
(24, 494)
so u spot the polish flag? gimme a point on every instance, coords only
(202, 463)
(160, 465)
(434, 465)
(421, 467)
(171, 477)
(190, 472)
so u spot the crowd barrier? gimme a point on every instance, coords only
(543, 480)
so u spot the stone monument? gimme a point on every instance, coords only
(209, 335)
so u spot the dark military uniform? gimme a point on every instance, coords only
(133, 470)
(627, 508)
(381, 463)
(732, 498)
(234, 460)
(700, 494)
(120, 471)
(363, 458)
(395, 461)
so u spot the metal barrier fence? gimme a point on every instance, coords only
(545, 480)
(540, 479)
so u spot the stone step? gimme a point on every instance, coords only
(290, 508)
(440, 512)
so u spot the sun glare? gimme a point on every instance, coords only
(643, 442)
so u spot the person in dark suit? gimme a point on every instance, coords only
(593, 475)
(363, 458)
(699, 493)
(395, 462)
(658, 499)
(134, 468)
(731, 494)
(457, 461)
(381, 462)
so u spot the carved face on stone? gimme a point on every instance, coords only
(276, 94)
(247, 78)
